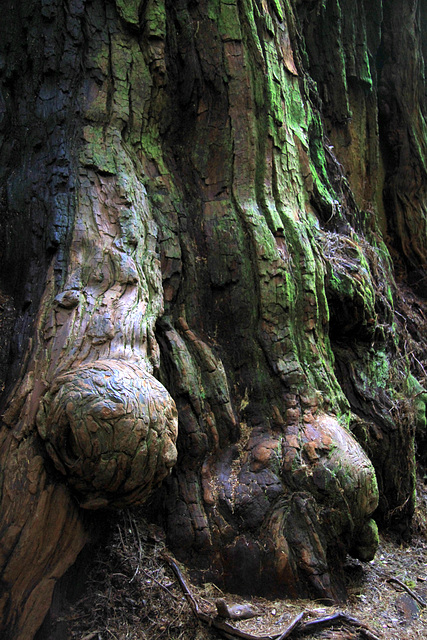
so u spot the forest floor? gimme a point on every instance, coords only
(132, 593)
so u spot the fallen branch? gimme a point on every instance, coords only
(296, 622)
(191, 599)
(229, 631)
(221, 625)
(413, 595)
(327, 621)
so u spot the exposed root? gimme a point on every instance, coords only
(133, 594)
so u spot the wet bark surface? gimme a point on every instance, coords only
(196, 274)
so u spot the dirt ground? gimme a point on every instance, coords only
(132, 593)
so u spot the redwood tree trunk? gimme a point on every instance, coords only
(196, 262)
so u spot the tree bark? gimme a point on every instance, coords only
(196, 276)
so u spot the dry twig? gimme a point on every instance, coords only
(327, 621)
(92, 635)
(296, 626)
(221, 625)
(413, 595)
(291, 628)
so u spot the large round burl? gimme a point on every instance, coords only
(110, 428)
